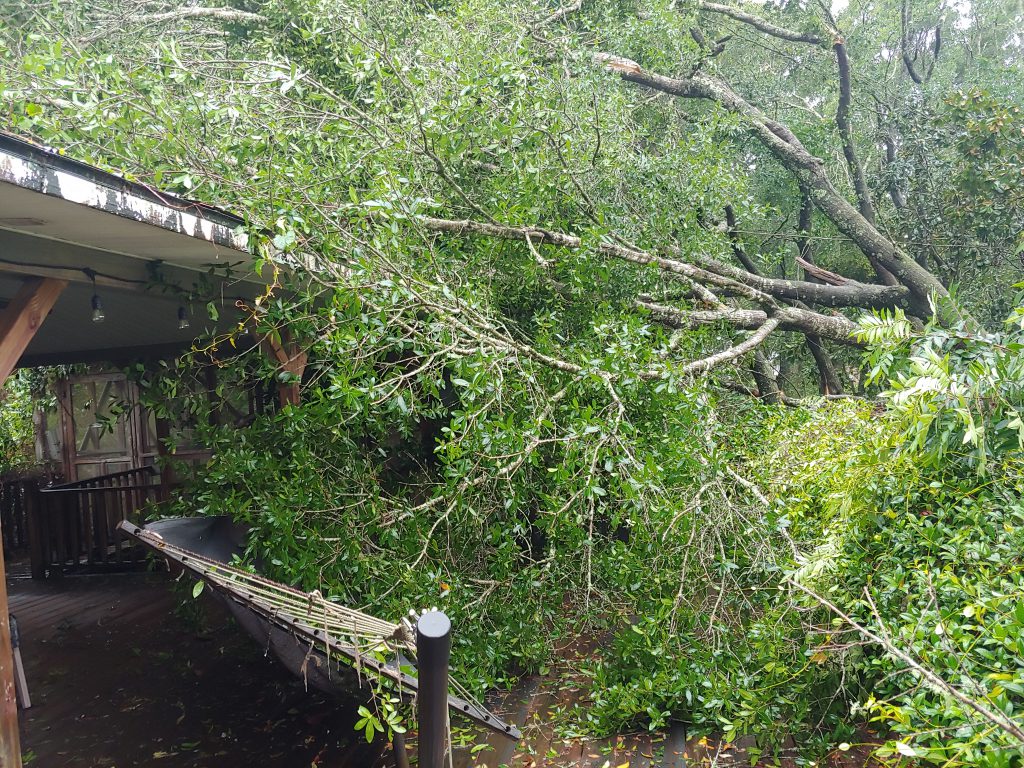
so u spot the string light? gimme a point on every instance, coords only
(126, 283)
(98, 315)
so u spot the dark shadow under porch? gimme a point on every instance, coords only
(119, 675)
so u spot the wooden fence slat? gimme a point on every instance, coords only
(114, 502)
(6, 518)
(18, 492)
(12, 514)
(38, 532)
(92, 533)
(83, 518)
(60, 524)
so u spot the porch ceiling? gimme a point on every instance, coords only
(144, 253)
(136, 326)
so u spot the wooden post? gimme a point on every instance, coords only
(291, 359)
(22, 317)
(39, 432)
(38, 530)
(69, 447)
(18, 324)
(163, 431)
(20, 683)
(10, 741)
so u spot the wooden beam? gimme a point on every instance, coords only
(290, 358)
(20, 319)
(66, 261)
(70, 275)
(19, 322)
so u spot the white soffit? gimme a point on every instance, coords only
(46, 195)
(66, 219)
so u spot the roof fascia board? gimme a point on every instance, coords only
(31, 167)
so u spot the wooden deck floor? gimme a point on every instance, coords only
(48, 610)
(118, 679)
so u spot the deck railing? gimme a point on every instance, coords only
(73, 526)
(13, 513)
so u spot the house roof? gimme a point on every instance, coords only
(146, 253)
(41, 169)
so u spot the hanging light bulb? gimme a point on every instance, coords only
(182, 318)
(98, 315)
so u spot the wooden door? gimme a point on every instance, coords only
(101, 425)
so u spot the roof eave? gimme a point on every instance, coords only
(42, 170)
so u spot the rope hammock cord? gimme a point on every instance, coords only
(346, 627)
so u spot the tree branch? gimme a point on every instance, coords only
(220, 14)
(803, 226)
(899, 200)
(709, 271)
(712, 49)
(767, 385)
(810, 170)
(737, 248)
(994, 716)
(693, 274)
(904, 44)
(820, 273)
(744, 389)
(842, 292)
(860, 184)
(835, 327)
(761, 24)
(755, 340)
(126, 23)
(560, 14)
(828, 378)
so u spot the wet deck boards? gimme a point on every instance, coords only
(65, 622)
(118, 678)
(121, 624)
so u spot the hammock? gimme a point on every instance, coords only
(330, 646)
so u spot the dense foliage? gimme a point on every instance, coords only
(17, 449)
(554, 437)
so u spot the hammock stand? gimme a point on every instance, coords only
(329, 646)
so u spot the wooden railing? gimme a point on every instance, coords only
(73, 527)
(13, 513)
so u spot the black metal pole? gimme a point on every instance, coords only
(433, 650)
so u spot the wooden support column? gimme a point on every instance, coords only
(22, 317)
(19, 322)
(291, 359)
(10, 739)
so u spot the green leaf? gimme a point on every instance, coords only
(905, 749)
(284, 240)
